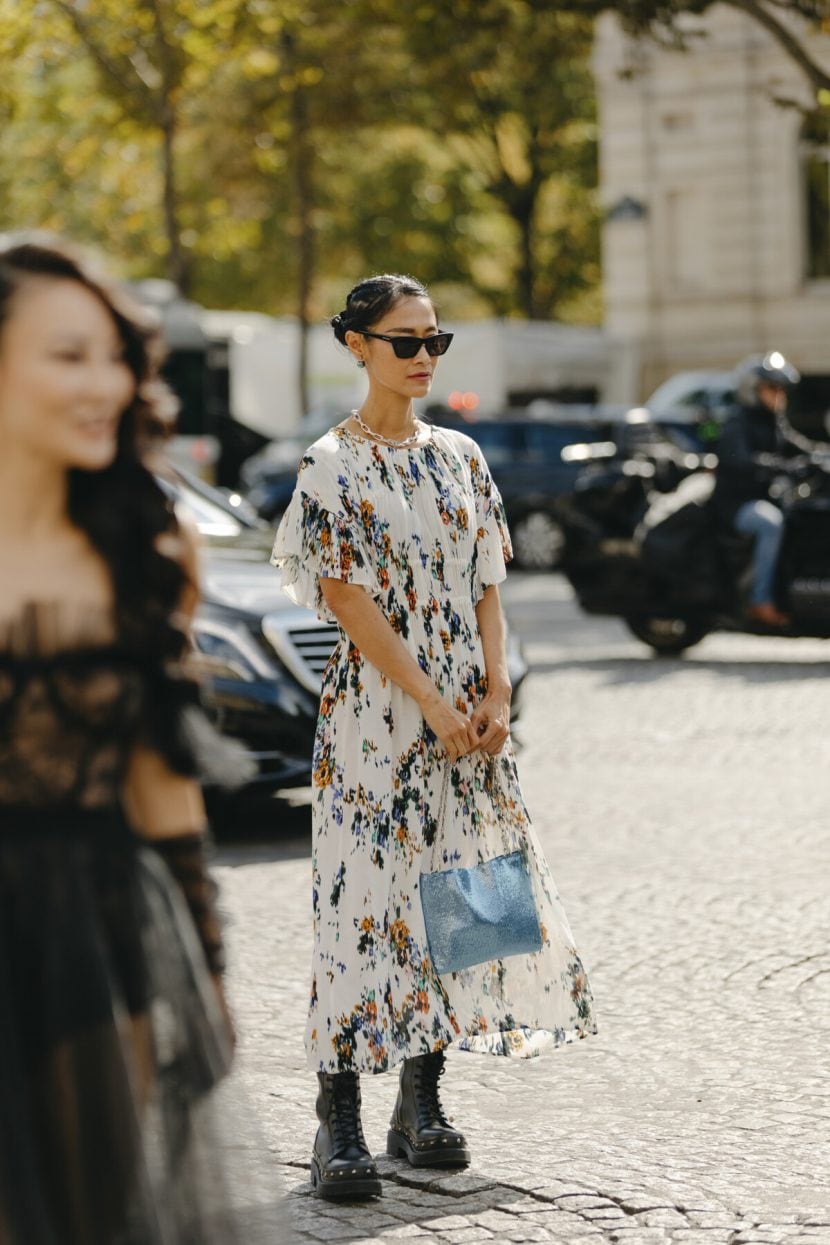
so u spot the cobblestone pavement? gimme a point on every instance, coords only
(683, 808)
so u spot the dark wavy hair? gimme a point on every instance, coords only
(370, 300)
(121, 508)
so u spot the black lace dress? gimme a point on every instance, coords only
(110, 1032)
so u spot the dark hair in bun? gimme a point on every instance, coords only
(370, 300)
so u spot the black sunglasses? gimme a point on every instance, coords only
(408, 347)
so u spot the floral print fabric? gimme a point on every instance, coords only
(422, 530)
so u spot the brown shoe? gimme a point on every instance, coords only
(768, 614)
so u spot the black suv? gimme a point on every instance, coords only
(525, 457)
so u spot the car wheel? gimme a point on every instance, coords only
(537, 541)
(669, 637)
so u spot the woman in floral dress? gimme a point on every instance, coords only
(397, 532)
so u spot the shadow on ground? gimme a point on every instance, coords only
(429, 1202)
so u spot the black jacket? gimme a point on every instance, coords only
(753, 448)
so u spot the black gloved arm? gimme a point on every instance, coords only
(184, 855)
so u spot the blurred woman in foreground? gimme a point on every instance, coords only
(113, 1028)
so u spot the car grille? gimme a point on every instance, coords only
(304, 647)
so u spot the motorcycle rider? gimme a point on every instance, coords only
(753, 448)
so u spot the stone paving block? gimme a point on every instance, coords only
(640, 1238)
(411, 1176)
(548, 1187)
(576, 1240)
(665, 1217)
(600, 1214)
(571, 1228)
(552, 1215)
(584, 1201)
(714, 1219)
(448, 1223)
(466, 1236)
(405, 1232)
(497, 1220)
(758, 1235)
(463, 1182)
(402, 1193)
(702, 1234)
(526, 1206)
(333, 1231)
(637, 1203)
(533, 1232)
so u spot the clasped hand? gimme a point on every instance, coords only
(486, 729)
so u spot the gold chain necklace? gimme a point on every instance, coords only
(396, 445)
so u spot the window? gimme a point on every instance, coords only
(685, 238)
(545, 442)
(816, 154)
(499, 441)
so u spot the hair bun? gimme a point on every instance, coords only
(370, 299)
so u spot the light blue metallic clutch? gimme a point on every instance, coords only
(485, 912)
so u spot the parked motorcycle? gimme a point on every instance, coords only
(661, 561)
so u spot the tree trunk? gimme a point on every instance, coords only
(525, 276)
(303, 179)
(178, 269)
(521, 204)
(304, 191)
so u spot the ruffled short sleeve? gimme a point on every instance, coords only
(493, 549)
(321, 536)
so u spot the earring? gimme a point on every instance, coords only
(360, 363)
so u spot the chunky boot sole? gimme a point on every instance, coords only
(356, 1184)
(431, 1154)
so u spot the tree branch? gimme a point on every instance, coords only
(818, 77)
(164, 51)
(108, 67)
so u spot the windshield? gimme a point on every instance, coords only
(697, 390)
(210, 520)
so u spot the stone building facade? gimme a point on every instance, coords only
(716, 198)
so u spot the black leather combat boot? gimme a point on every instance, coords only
(341, 1165)
(419, 1131)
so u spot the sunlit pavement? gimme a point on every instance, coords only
(683, 807)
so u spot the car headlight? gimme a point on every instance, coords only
(227, 652)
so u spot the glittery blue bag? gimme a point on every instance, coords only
(481, 913)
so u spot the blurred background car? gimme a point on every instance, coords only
(261, 657)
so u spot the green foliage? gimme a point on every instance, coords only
(269, 152)
(458, 144)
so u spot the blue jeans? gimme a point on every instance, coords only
(765, 522)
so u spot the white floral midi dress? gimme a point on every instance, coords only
(422, 530)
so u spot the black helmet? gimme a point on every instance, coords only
(757, 370)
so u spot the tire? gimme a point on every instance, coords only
(667, 636)
(538, 541)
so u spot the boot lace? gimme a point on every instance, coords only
(427, 1075)
(346, 1124)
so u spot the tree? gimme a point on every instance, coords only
(507, 84)
(147, 54)
(68, 154)
(270, 151)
